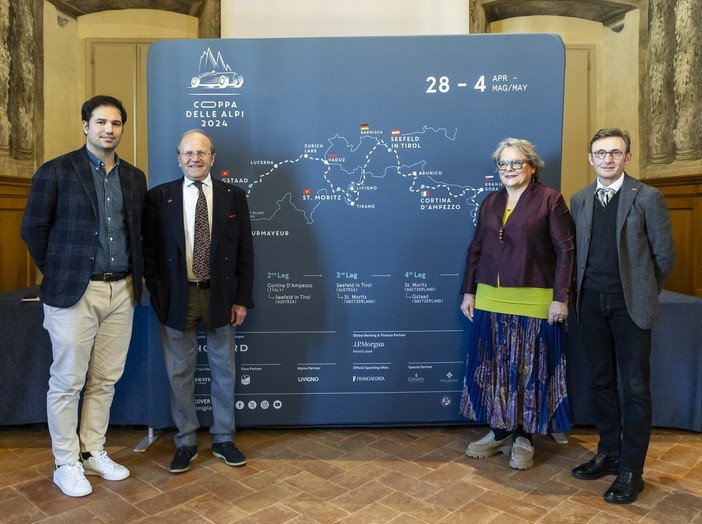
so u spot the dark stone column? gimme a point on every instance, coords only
(22, 79)
(660, 97)
(210, 19)
(5, 128)
(688, 80)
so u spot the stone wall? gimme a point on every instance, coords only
(670, 59)
(671, 108)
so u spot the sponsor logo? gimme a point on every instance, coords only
(450, 378)
(246, 380)
(203, 404)
(308, 379)
(416, 379)
(373, 378)
(446, 401)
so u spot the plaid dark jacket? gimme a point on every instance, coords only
(60, 225)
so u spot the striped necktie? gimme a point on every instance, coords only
(604, 195)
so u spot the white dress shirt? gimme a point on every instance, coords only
(616, 185)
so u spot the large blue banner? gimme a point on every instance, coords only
(365, 161)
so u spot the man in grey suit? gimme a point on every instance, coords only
(198, 266)
(625, 252)
(82, 226)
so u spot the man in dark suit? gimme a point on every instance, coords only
(625, 252)
(198, 265)
(82, 226)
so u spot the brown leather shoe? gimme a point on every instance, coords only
(599, 466)
(625, 488)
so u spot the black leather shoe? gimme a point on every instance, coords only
(625, 488)
(229, 453)
(184, 455)
(599, 466)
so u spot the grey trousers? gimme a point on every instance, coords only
(180, 350)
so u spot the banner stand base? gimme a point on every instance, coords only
(151, 437)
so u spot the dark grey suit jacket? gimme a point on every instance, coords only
(231, 253)
(644, 245)
(60, 225)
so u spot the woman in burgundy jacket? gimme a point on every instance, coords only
(516, 286)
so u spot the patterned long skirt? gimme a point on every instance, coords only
(516, 374)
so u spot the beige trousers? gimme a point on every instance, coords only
(89, 344)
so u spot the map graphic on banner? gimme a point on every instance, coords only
(365, 161)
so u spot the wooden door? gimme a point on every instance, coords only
(578, 118)
(118, 68)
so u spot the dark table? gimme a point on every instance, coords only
(676, 366)
(141, 396)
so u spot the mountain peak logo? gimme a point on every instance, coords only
(214, 73)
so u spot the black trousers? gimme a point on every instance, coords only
(612, 342)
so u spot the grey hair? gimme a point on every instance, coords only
(199, 132)
(527, 149)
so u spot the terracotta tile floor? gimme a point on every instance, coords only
(366, 475)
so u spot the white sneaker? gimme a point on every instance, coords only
(522, 456)
(100, 464)
(488, 446)
(70, 478)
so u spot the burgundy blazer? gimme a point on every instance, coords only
(536, 247)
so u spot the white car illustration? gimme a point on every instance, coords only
(217, 79)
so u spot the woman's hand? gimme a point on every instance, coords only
(468, 306)
(557, 312)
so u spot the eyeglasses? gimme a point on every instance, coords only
(191, 154)
(602, 154)
(502, 165)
